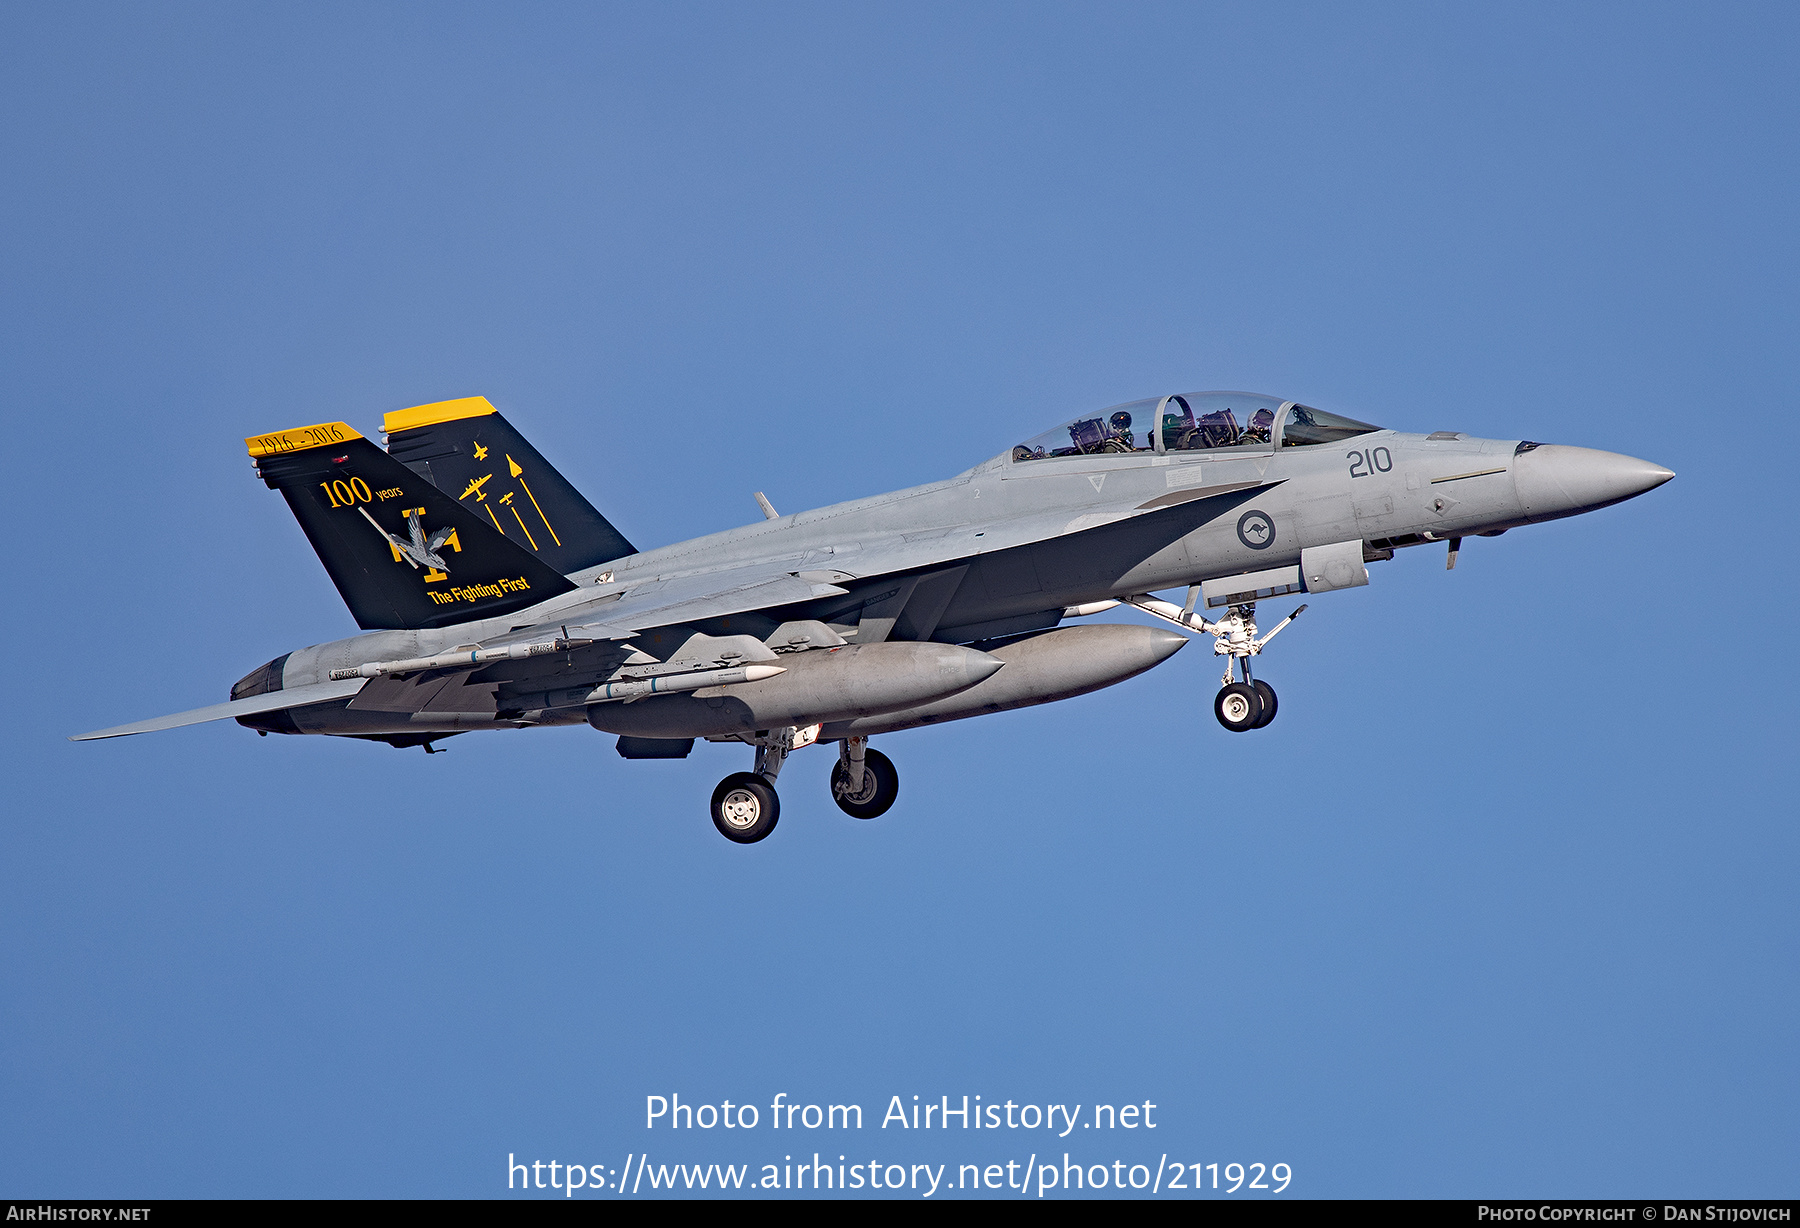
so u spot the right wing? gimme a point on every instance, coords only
(686, 599)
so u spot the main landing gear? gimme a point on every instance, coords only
(864, 782)
(745, 806)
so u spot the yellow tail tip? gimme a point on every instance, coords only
(300, 438)
(437, 411)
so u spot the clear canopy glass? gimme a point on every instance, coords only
(1201, 421)
(1191, 422)
(1305, 425)
(1122, 428)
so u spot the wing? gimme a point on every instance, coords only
(714, 594)
(630, 606)
(298, 697)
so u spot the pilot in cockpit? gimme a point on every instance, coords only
(1120, 440)
(1261, 423)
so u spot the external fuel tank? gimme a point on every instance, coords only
(1040, 669)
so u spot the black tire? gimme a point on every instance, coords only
(881, 785)
(1238, 707)
(1266, 693)
(745, 807)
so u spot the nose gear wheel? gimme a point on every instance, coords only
(1267, 694)
(1238, 707)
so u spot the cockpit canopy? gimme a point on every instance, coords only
(1192, 422)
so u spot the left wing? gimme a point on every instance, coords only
(298, 697)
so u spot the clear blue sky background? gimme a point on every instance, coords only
(1502, 904)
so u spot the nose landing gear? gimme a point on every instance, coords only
(1240, 706)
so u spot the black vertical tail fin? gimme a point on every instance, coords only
(474, 455)
(401, 552)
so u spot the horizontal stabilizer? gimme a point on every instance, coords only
(298, 697)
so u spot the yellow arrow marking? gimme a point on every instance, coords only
(517, 472)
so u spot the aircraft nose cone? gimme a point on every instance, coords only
(1554, 480)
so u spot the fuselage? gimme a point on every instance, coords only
(1076, 531)
(1018, 541)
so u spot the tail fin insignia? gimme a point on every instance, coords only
(470, 452)
(402, 553)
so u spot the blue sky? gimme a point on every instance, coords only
(1501, 905)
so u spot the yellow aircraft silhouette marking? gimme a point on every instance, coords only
(475, 488)
(480, 452)
(513, 468)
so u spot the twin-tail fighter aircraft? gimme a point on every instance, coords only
(494, 596)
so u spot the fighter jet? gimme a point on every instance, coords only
(954, 599)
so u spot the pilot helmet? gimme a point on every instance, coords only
(1121, 423)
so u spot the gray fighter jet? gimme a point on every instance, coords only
(494, 596)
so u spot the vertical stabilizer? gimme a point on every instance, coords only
(474, 455)
(401, 552)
